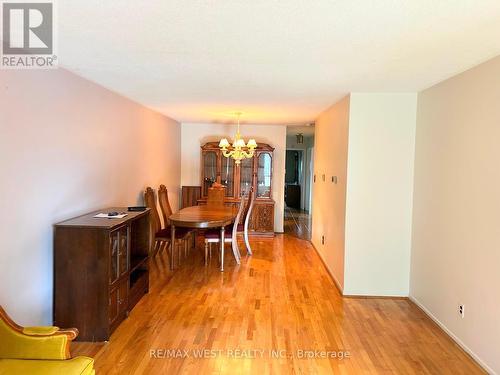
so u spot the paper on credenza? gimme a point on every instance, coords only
(106, 216)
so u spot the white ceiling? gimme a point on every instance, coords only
(280, 61)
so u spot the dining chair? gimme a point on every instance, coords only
(244, 222)
(161, 237)
(230, 235)
(248, 214)
(216, 194)
(166, 211)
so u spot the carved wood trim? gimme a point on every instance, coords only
(215, 146)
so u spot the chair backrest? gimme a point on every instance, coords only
(216, 194)
(150, 202)
(47, 343)
(166, 209)
(249, 204)
(238, 217)
(190, 196)
(248, 215)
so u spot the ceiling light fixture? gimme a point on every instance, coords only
(239, 150)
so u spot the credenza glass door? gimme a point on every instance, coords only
(123, 258)
(114, 249)
(119, 254)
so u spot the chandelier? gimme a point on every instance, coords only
(239, 150)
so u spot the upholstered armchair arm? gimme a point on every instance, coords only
(18, 342)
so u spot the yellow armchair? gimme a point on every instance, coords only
(38, 350)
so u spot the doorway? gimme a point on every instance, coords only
(298, 181)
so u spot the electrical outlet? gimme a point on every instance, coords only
(322, 240)
(461, 310)
(334, 179)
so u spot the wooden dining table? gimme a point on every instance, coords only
(203, 217)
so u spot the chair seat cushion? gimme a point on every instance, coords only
(166, 233)
(77, 365)
(213, 234)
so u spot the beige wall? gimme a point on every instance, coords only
(328, 199)
(68, 146)
(195, 135)
(456, 220)
(379, 193)
(367, 141)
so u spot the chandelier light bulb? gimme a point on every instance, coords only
(224, 143)
(251, 143)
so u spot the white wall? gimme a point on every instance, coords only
(379, 194)
(328, 199)
(456, 220)
(195, 135)
(68, 146)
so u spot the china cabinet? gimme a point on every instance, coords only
(256, 172)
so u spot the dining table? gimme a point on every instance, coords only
(203, 217)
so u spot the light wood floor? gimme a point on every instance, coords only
(281, 298)
(297, 223)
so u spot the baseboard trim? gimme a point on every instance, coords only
(334, 279)
(452, 336)
(372, 297)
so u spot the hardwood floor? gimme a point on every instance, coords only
(281, 298)
(297, 223)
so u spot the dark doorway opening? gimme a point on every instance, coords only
(293, 178)
(299, 173)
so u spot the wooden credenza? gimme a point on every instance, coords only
(256, 171)
(101, 271)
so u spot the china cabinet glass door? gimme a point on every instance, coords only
(210, 170)
(246, 174)
(227, 175)
(264, 171)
